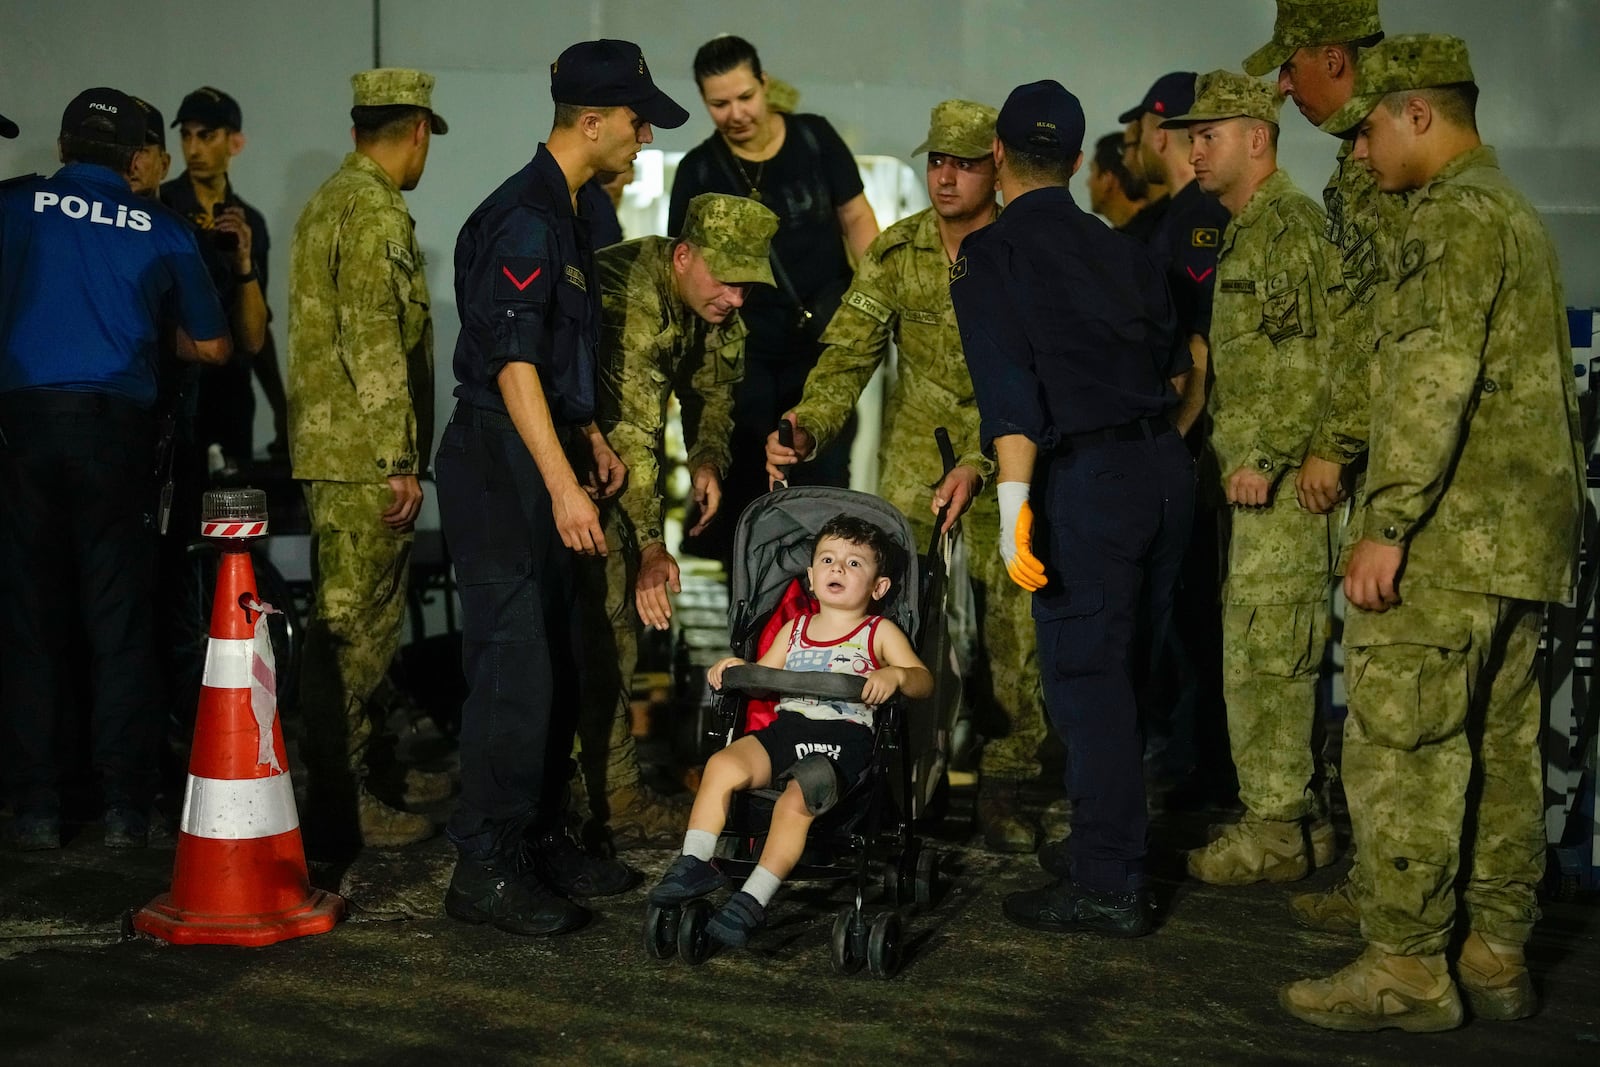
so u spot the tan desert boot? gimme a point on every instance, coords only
(1253, 850)
(1333, 911)
(1379, 991)
(1494, 976)
(386, 827)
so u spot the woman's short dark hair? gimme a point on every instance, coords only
(722, 54)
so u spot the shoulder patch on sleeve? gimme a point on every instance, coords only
(868, 306)
(958, 269)
(520, 278)
(401, 256)
(1204, 237)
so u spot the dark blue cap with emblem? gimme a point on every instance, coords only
(1172, 95)
(611, 73)
(105, 115)
(1042, 118)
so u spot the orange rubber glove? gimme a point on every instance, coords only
(1016, 536)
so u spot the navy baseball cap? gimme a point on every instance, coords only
(7, 127)
(211, 108)
(1042, 117)
(1172, 95)
(612, 74)
(105, 115)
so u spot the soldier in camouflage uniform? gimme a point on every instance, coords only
(361, 413)
(1272, 358)
(1470, 519)
(669, 325)
(1314, 47)
(901, 292)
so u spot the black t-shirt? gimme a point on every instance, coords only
(805, 184)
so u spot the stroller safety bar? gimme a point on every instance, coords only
(750, 678)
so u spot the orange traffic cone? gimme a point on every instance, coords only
(240, 874)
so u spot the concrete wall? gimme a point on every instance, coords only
(874, 69)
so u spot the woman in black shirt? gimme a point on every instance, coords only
(801, 169)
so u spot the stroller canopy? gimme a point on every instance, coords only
(774, 541)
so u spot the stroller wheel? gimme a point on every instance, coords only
(927, 877)
(661, 930)
(849, 940)
(883, 945)
(694, 944)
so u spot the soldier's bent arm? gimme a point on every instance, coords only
(1433, 331)
(716, 371)
(639, 392)
(856, 340)
(1341, 435)
(373, 263)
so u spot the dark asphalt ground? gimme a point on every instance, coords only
(400, 983)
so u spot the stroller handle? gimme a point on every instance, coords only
(751, 678)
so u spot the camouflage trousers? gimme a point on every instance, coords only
(1004, 691)
(1442, 766)
(604, 746)
(1271, 660)
(360, 569)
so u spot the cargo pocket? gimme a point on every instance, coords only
(1072, 618)
(1408, 677)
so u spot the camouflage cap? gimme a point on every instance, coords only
(388, 86)
(1413, 61)
(960, 128)
(781, 96)
(1222, 94)
(1302, 23)
(733, 234)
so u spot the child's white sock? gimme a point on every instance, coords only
(762, 884)
(700, 844)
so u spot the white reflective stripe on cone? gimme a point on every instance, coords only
(239, 810)
(227, 663)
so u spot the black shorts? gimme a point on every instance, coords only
(792, 735)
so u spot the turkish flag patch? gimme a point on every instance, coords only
(521, 278)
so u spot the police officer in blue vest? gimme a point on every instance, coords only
(511, 471)
(92, 278)
(1071, 337)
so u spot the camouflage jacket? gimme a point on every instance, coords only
(1361, 224)
(360, 336)
(653, 345)
(1476, 458)
(1271, 343)
(901, 290)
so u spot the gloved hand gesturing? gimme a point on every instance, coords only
(1016, 536)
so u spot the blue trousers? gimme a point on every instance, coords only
(519, 631)
(1113, 528)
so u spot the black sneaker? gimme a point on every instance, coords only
(688, 877)
(507, 892)
(1066, 908)
(571, 871)
(740, 917)
(126, 827)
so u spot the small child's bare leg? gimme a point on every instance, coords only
(786, 838)
(742, 765)
(746, 910)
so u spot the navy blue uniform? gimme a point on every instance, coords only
(527, 292)
(1185, 245)
(90, 277)
(1071, 338)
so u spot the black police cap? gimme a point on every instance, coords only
(105, 115)
(612, 74)
(211, 108)
(1172, 95)
(1043, 118)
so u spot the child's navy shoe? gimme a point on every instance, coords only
(738, 919)
(687, 878)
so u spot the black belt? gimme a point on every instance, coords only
(1146, 429)
(472, 415)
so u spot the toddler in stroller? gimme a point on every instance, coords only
(816, 747)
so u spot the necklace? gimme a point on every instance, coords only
(753, 183)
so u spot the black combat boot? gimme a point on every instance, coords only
(503, 888)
